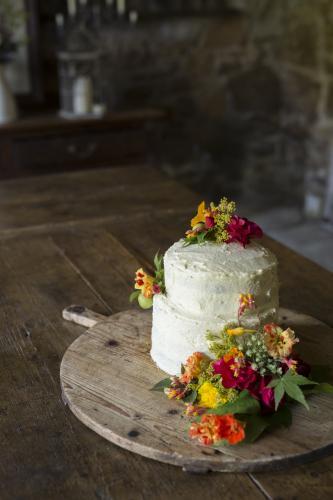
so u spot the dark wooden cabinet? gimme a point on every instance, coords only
(51, 144)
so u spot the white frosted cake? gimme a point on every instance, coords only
(203, 284)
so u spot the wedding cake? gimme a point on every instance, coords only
(215, 300)
(203, 285)
(214, 277)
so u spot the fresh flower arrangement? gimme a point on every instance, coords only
(147, 286)
(247, 384)
(220, 223)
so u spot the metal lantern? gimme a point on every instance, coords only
(79, 63)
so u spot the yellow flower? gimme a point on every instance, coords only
(144, 282)
(200, 217)
(147, 290)
(209, 396)
(239, 331)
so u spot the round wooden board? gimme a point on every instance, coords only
(106, 376)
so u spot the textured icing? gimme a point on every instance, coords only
(203, 284)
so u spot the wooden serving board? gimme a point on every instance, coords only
(106, 377)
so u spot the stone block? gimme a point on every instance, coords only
(257, 90)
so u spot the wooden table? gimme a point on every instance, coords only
(79, 237)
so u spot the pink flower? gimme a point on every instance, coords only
(242, 230)
(234, 374)
(209, 222)
(223, 368)
(266, 395)
(156, 289)
(294, 362)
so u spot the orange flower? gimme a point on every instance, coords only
(177, 389)
(145, 283)
(246, 301)
(214, 428)
(201, 215)
(279, 342)
(194, 410)
(233, 353)
(140, 277)
(194, 365)
(148, 291)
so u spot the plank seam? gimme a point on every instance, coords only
(259, 486)
(77, 270)
(8, 233)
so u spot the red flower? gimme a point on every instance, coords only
(235, 374)
(242, 230)
(209, 222)
(266, 395)
(156, 289)
(214, 428)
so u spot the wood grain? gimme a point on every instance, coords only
(107, 374)
(46, 453)
(74, 196)
(59, 245)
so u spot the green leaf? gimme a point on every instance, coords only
(278, 393)
(190, 241)
(244, 404)
(182, 369)
(274, 382)
(257, 424)
(295, 392)
(158, 260)
(161, 385)
(201, 237)
(190, 398)
(254, 427)
(323, 387)
(144, 302)
(298, 379)
(134, 295)
(282, 417)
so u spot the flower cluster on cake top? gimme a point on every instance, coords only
(247, 384)
(221, 224)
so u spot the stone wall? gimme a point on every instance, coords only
(247, 93)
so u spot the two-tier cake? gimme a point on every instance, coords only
(215, 305)
(214, 277)
(204, 283)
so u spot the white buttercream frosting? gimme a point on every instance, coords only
(203, 285)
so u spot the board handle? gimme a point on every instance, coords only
(82, 316)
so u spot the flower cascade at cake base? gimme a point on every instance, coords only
(244, 382)
(246, 387)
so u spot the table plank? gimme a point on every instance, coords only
(47, 453)
(48, 200)
(61, 242)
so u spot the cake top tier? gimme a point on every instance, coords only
(214, 258)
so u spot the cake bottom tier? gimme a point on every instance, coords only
(176, 335)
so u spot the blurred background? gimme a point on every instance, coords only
(230, 97)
